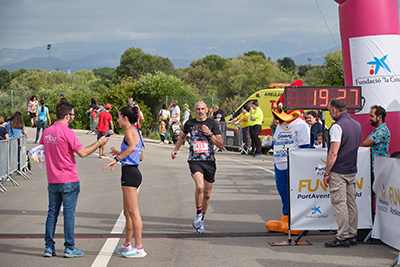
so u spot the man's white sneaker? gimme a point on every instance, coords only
(197, 220)
(122, 249)
(135, 253)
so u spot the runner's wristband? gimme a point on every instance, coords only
(99, 144)
(116, 158)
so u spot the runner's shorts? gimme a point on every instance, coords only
(130, 175)
(207, 168)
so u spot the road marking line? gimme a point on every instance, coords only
(107, 250)
(258, 167)
(105, 253)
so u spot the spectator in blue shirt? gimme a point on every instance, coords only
(42, 114)
(16, 126)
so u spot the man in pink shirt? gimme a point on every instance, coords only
(60, 145)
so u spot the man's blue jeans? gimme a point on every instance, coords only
(66, 193)
(40, 125)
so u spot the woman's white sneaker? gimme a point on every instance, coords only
(135, 253)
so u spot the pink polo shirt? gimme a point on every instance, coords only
(60, 144)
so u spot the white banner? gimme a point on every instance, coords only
(387, 190)
(375, 63)
(310, 204)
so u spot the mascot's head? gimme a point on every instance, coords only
(286, 115)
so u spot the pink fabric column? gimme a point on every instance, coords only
(359, 18)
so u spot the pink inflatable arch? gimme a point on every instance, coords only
(370, 35)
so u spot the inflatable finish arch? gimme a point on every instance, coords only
(370, 35)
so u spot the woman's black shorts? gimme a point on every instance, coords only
(130, 176)
(32, 114)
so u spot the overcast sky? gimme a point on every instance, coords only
(30, 23)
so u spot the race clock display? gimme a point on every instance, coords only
(317, 97)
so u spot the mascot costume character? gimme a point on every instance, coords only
(291, 132)
(370, 34)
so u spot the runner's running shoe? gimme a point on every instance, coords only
(200, 230)
(135, 253)
(123, 249)
(197, 219)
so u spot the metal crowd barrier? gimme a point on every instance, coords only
(12, 160)
(4, 148)
(232, 135)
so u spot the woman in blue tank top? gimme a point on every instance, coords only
(130, 156)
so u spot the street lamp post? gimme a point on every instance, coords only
(49, 48)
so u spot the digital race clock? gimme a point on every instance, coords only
(317, 97)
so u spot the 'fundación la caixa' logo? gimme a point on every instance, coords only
(316, 213)
(378, 63)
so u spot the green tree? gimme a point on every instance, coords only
(134, 63)
(287, 63)
(254, 53)
(243, 76)
(303, 69)
(333, 68)
(211, 62)
(4, 78)
(105, 72)
(17, 73)
(152, 89)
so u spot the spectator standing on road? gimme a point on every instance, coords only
(316, 127)
(164, 116)
(186, 116)
(340, 172)
(140, 118)
(130, 156)
(205, 134)
(175, 115)
(43, 116)
(218, 114)
(90, 111)
(16, 126)
(32, 108)
(3, 130)
(379, 138)
(61, 144)
(255, 120)
(63, 99)
(104, 122)
(243, 119)
(131, 102)
(175, 111)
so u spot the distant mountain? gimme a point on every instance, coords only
(77, 56)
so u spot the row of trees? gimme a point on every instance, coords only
(152, 80)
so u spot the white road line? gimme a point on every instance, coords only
(107, 250)
(258, 167)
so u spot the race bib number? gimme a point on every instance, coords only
(200, 147)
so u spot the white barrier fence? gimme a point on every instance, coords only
(310, 204)
(13, 160)
(387, 190)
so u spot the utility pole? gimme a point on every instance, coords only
(49, 48)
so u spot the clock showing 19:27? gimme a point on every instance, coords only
(318, 97)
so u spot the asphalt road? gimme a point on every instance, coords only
(243, 199)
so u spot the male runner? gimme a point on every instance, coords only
(205, 134)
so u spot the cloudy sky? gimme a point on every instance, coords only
(31, 23)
